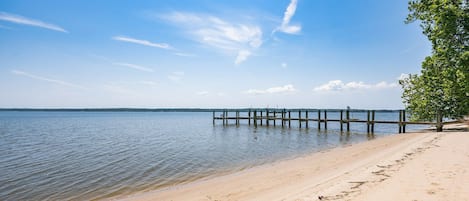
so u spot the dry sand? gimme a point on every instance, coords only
(417, 166)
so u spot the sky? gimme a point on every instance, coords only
(206, 53)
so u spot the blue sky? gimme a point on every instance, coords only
(205, 53)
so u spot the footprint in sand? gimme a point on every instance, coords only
(431, 192)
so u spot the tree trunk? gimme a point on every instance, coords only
(439, 122)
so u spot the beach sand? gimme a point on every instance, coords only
(412, 166)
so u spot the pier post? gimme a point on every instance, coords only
(283, 118)
(307, 119)
(403, 119)
(325, 119)
(299, 118)
(224, 117)
(341, 120)
(348, 120)
(213, 117)
(400, 121)
(319, 119)
(249, 117)
(237, 118)
(255, 118)
(373, 121)
(267, 117)
(275, 117)
(261, 118)
(289, 119)
(368, 121)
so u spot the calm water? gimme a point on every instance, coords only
(95, 155)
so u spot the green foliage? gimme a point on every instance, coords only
(442, 89)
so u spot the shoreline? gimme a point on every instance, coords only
(338, 173)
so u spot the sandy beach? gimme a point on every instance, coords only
(412, 166)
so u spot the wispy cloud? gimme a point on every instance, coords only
(134, 66)
(36, 77)
(176, 76)
(184, 54)
(231, 37)
(285, 27)
(338, 85)
(31, 22)
(141, 42)
(242, 56)
(273, 90)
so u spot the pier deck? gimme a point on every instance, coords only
(271, 117)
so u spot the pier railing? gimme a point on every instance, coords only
(283, 118)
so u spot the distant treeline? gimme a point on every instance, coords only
(179, 110)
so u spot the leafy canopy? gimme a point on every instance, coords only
(442, 88)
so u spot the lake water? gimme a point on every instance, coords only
(96, 155)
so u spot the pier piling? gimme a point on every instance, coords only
(257, 117)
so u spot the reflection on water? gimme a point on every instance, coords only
(94, 155)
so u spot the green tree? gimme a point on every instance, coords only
(442, 88)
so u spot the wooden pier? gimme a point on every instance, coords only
(283, 118)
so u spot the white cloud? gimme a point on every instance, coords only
(230, 37)
(285, 26)
(242, 56)
(141, 42)
(134, 66)
(338, 85)
(273, 90)
(31, 22)
(202, 93)
(284, 65)
(176, 76)
(36, 77)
